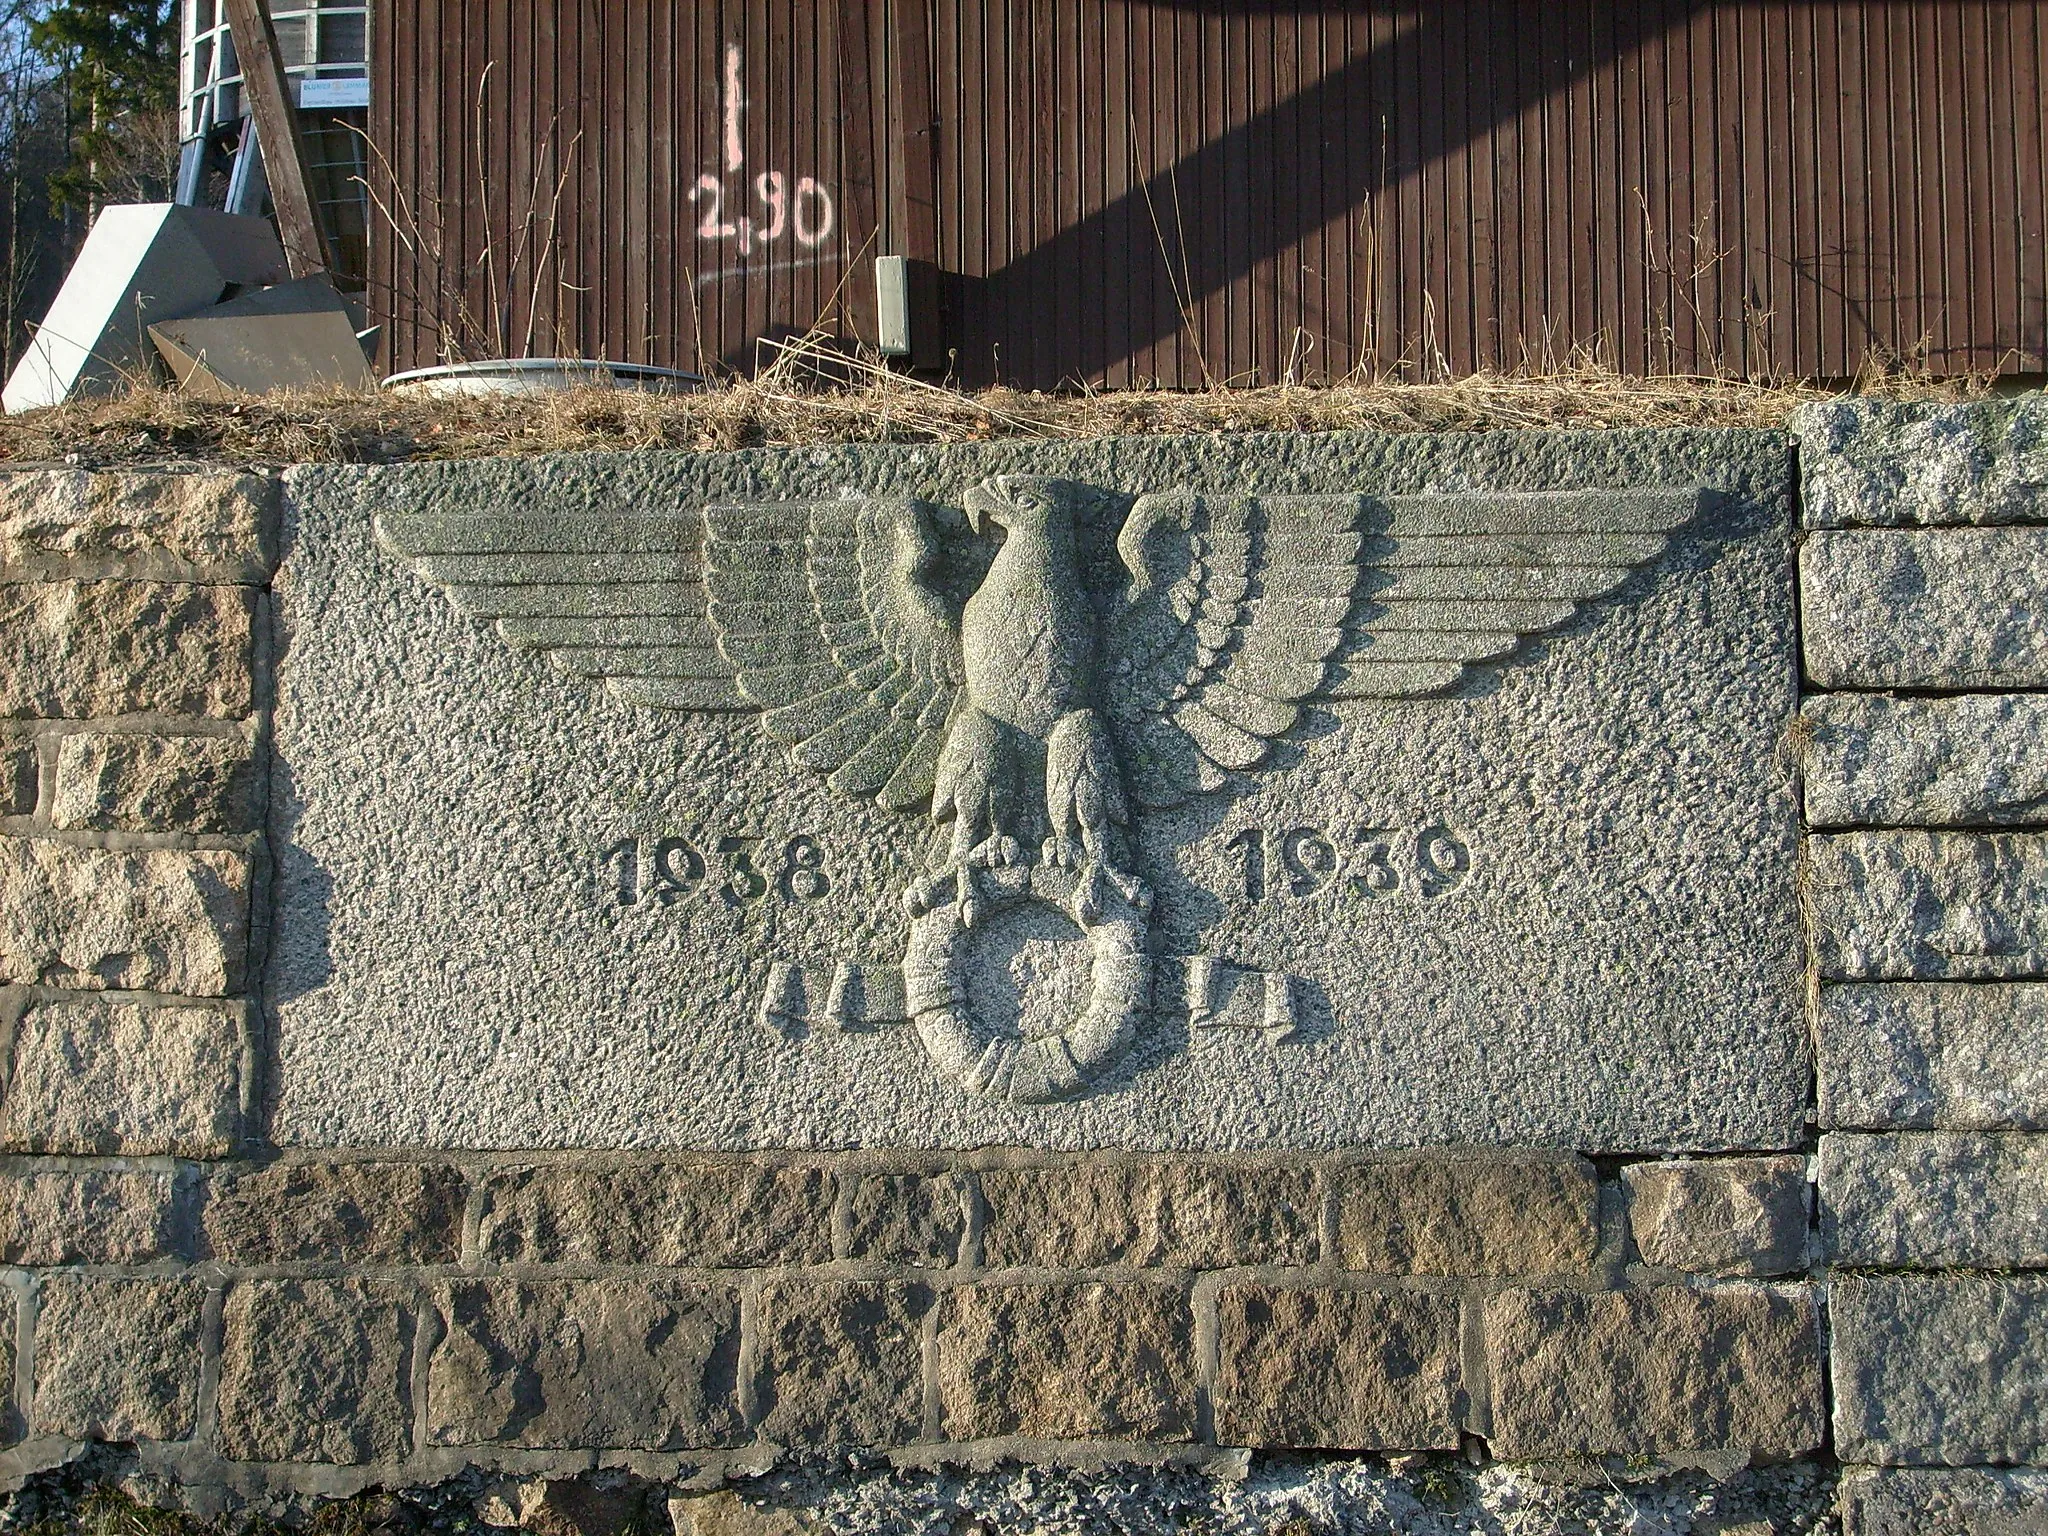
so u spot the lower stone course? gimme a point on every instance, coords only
(716, 1214)
(841, 1363)
(1940, 1369)
(1468, 1215)
(117, 1359)
(1315, 1367)
(316, 1370)
(1720, 1216)
(1150, 1212)
(354, 1213)
(1067, 1362)
(1733, 1370)
(519, 1359)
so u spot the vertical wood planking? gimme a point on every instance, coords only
(1139, 190)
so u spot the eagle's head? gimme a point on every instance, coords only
(1021, 502)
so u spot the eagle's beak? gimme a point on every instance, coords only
(971, 504)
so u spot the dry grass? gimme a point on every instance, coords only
(795, 402)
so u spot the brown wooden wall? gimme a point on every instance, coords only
(1181, 190)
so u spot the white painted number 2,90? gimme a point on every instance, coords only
(805, 212)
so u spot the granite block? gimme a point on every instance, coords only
(84, 650)
(1873, 760)
(316, 1371)
(1935, 1200)
(1947, 608)
(1934, 1056)
(1940, 1370)
(1352, 1370)
(1929, 906)
(1720, 1216)
(1733, 1371)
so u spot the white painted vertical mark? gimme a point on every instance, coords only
(734, 106)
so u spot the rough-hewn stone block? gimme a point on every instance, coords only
(1353, 1370)
(713, 1212)
(1956, 608)
(1877, 761)
(1885, 463)
(86, 650)
(1935, 1199)
(161, 920)
(115, 1075)
(20, 776)
(56, 1215)
(207, 526)
(1065, 1362)
(840, 1363)
(316, 1370)
(1929, 906)
(908, 1218)
(1468, 1215)
(1940, 1368)
(1720, 1216)
(1934, 1056)
(519, 1359)
(356, 1213)
(1977, 1501)
(117, 1359)
(1152, 1212)
(1655, 1372)
(128, 783)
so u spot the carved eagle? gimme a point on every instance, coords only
(890, 659)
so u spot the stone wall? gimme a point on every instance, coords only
(244, 1323)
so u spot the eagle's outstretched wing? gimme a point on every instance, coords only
(1241, 609)
(816, 613)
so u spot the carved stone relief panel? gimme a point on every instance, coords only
(1182, 793)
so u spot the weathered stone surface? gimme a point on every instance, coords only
(1885, 463)
(841, 1363)
(1353, 1370)
(1929, 906)
(1934, 1055)
(1977, 1501)
(83, 650)
(714, 1213)
(60, 1215)
(905, 1218)
(1954, 608)
(1066, 1362)
(1591, 940)
(726, 1513)
(206, 526)
(1662, 1371)
(1932, 1200)
(519, 1357)
(117, 1075)
(1454, 1215)
(1934, 1369)
(117, 1359)
(1151, 1212)
(1720, 1216)
(356, 1213)
(20, 776)
(127, 783)
(316, 1370)
(1877, 761)
(160, 920)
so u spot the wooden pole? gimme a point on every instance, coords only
(267, 93)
